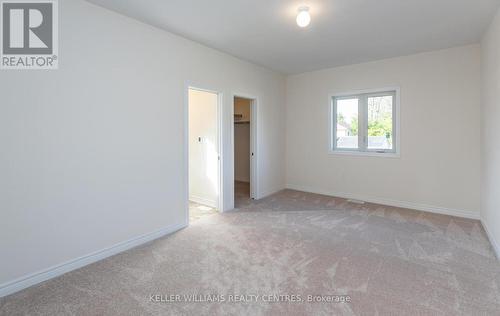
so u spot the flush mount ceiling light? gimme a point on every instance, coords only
(303, 17)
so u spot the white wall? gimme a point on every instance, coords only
(203, 148)
(440, 152)
(93, 154)
(490, 132)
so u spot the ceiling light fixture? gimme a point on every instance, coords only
(303, 17)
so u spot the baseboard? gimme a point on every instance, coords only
(390, 202)
(493, 241)
(47, 274)
(203, 201)
(269, 193)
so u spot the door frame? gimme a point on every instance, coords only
(220, 178)
(254, 143)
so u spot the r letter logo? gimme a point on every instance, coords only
(29, 34)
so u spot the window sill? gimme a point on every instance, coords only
(363, 153)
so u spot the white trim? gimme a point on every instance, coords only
(203, 201)
(255, 144)
(52, 272)
(494, 244)
(364, 152)
(271, 192)
(231, 154)
(365, 91)
(254, 160)
(186, 151)
(389, 202)
(220, 149)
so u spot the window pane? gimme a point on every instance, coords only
(347, 124)
(380, 134)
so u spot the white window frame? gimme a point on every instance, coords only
(363, 96)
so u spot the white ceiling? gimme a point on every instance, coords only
(342, 32)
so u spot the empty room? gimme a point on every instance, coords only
(316, 157)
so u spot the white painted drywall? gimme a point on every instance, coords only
(242, 141)
(93, 154)
(342, 32)
(440, 152)
(203, 148)
(490, 132)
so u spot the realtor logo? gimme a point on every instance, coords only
(29, 34)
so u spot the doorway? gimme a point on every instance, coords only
(244, 150)
(204, 180)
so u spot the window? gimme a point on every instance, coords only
(365, 123)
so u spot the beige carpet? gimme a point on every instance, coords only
(388, 261)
